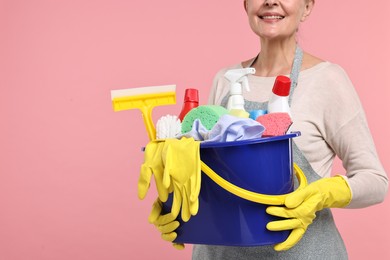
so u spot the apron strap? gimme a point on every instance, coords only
(296, 68)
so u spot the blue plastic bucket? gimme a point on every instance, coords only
(262, 165)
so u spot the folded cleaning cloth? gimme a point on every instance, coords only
(228, 128)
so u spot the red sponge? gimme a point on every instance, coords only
(275, 123)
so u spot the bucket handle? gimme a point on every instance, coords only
(250, 195)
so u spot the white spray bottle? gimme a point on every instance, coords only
(238, 79)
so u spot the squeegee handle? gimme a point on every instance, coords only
(149, 125)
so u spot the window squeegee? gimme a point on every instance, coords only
(145, 99)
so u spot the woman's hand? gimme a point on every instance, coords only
(301, 207)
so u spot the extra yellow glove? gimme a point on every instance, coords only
(301, 207)
(182, 171)
(153, 165)
(166, 224)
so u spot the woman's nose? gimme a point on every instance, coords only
(270, 2)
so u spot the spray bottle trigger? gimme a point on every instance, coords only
(245, 83)
(251, 70)
(245, 79)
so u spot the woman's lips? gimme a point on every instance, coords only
(271, 17)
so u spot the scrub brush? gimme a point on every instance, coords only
(168, 127)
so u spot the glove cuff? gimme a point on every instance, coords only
(341, 192)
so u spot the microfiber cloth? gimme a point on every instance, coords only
(207, 114)
(275, 123)
(199, 132)
(228, 128)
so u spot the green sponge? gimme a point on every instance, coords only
(208, 115)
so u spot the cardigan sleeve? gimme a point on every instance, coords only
(348, 134)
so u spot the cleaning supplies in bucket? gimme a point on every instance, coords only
(230, 201)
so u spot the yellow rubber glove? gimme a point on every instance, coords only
(301, 207)
(166, 224)
(153, 165)
(182, 171)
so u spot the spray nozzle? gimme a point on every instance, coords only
(238, 78)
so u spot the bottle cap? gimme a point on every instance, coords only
(282, 86)
(191, 95)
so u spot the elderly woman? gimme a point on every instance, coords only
(326, 110)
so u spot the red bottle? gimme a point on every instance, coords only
(191, 100)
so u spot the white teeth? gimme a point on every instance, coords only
(272, 17)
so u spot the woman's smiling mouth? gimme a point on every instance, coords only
(271, 17)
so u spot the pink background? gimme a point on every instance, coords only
(69, 165)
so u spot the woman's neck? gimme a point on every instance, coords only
(275, 58)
